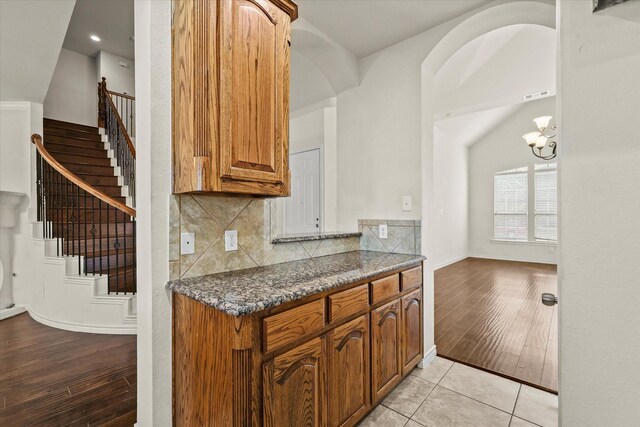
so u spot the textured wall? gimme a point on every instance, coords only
(403, 236)
(209, 216)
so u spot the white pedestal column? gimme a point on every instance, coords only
(9, 203)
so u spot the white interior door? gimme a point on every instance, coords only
(303, 207)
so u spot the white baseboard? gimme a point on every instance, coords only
(79, 327)
(515, 259)
(5, 313)
(428, 357)
(453, 261)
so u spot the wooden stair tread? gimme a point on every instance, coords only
(68, 125)
(55, 148)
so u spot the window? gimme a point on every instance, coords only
(510, 204)
(546, 202)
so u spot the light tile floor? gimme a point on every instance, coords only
(448, 394)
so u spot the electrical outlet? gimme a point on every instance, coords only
(382, 231)
(187, 243)
(231, 240)
(406, 203)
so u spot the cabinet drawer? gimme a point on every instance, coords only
(288, 326)
(411, 278)
(385, 288)
(345, 303)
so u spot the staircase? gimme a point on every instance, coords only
(102, 236)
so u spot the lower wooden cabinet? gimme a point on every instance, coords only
(349, 373)
(323, 361)
(295, 386)
(412, 335)
(386, 364)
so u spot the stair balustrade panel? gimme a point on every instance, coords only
(98, 236)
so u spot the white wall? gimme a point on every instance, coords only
(599, 105)
(451, 196)
(315, 127)
(306, 130)
(15, 146)
(119, 79)
(73, 92)
(153, 180)
(501, 149)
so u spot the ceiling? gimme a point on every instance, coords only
(366, 26)
(28, 56)
(469, 128)
(497, 68)
(110, 20)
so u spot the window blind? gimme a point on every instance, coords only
(546, 202)
(510, 204)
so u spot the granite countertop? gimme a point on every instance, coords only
(304, 237)
(248, 291)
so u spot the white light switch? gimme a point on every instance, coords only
(406, 203)
(187, 243)
(231, 240)
(382, 231)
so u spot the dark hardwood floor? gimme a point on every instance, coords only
(50, 377)
(488, 314)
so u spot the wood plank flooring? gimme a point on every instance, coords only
(488, 314)
(50, 377)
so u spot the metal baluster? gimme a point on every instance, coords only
(135, 257)
(85, 231)
(100, 229)
(76, 224)
(108, 247)
(38, 184)
(124, 234)
(56, 211)
(93, 234)
(67, 217)
(116, 246)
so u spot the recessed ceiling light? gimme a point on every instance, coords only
(95, 38)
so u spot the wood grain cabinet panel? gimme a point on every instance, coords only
(349, 302)
(412, 333)
(231, 96)
(349, 373)
(291, 325)
(411, 278)
(295, 386)
(385, 288)
(386, 363)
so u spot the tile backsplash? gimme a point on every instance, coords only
(403, 236)
(208, 216)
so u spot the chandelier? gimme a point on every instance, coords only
(542, 141)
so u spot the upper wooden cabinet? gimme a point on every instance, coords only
(231, 96)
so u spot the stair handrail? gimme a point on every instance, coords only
(121, 94)
(37, 141)
(107, 95)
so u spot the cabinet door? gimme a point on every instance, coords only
(386, 367)
(349, 374)
(411, 330)
(295, 386)
(254, 84)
